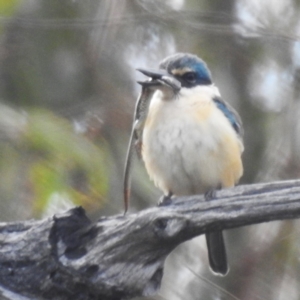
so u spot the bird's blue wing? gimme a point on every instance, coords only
(231, 114)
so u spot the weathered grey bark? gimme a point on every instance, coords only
(68, 257)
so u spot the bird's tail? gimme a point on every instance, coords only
(217, 252)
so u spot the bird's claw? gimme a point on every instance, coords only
(210, 195)
(165, 200)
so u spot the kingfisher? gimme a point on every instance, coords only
(189, 138)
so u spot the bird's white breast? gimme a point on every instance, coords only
(187, 140)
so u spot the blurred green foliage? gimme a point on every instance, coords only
(64, 162)
(49, 158)
(8, 7)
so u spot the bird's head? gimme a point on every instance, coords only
(181, 70)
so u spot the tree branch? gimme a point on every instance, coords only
(68, 257)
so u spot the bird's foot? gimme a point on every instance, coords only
(210, 195)
(165, 200)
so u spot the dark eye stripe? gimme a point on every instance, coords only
(190, 76)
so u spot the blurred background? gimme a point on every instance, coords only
(67, 95)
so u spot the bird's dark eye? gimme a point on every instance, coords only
(190, 77)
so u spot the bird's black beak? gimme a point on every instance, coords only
(154, 73)
(160, 77)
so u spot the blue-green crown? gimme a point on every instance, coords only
(196, 73)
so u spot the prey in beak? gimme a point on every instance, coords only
(160, 78)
